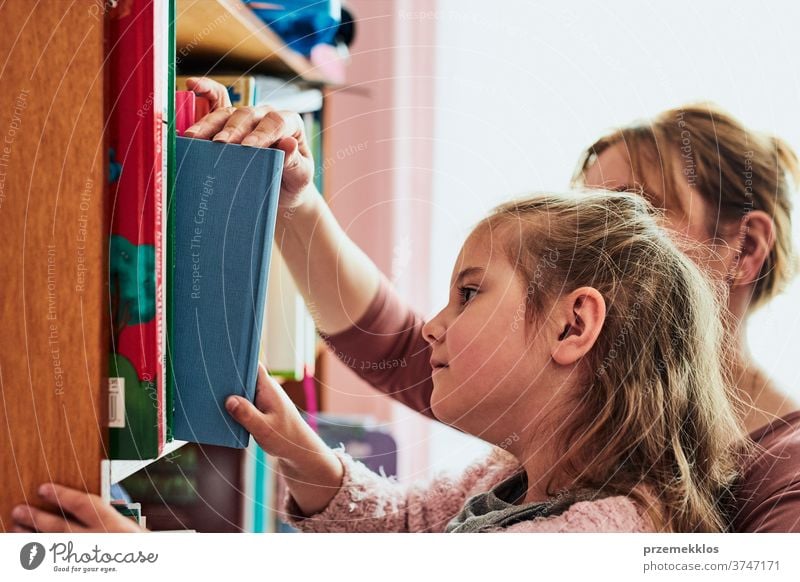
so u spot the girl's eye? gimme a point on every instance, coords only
(464, 293)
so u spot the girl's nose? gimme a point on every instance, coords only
(433, 330)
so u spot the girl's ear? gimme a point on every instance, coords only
(757, 237)
(579, 317)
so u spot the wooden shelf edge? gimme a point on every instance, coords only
(258, 45)
(119, 470)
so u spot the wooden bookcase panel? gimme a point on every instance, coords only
(53, 239)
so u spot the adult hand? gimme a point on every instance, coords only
(262, 126)
(79, 512)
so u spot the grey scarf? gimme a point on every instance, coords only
(497, 508)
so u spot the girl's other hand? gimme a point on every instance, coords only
(311, 470)
(79, 512)
(260, 126)
(274, 420)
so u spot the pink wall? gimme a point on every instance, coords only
(378, 148)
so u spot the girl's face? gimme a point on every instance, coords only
(490, 378)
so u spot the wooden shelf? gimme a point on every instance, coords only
(225, 33)
(53, 216)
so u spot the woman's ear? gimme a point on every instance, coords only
(756, 240)
(579, 317)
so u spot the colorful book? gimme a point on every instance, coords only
(283, 94)
(132, 511)
(257, 503)
(226, 198)
(137, 81)
(185, 106)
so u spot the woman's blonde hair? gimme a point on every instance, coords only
(656, 419)
(734, 169)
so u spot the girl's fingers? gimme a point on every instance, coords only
(251, 126)
(245, 413)
(43, 521)
(83, 506)
(289, 147)
(274, 126)
(87, 513)
(215, 92)
(268, 130)
(298, 171)
(241, 124)
(270, 395)
(210, 125)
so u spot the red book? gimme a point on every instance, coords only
(184, 110)
(136, 70)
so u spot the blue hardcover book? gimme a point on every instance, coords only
(226, 198)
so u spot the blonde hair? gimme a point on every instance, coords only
(656, 417)
(733, 168)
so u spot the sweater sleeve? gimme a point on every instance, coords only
(385, 347)
(367, 502)
(611, 514)
(768, 495)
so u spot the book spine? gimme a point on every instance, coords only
(252, 337)
(136, 247)
(160, 46)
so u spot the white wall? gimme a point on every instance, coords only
(520, 91)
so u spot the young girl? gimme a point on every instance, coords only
(577, 337)
(583, 341)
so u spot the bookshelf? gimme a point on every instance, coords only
(225, 34)
(55, 222)
(53, 216)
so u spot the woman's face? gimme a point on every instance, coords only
(685, 211)
(492, 369)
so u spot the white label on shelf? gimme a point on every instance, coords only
(116, 402)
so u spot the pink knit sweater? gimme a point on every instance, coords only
(367, 502)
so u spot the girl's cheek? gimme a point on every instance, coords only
(471, 360)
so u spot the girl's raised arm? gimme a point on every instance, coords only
(354, 307)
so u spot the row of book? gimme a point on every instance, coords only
(197, 293)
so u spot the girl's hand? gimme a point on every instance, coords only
(274, 420)
(312, 472)
(80, 512)
(263, 127)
